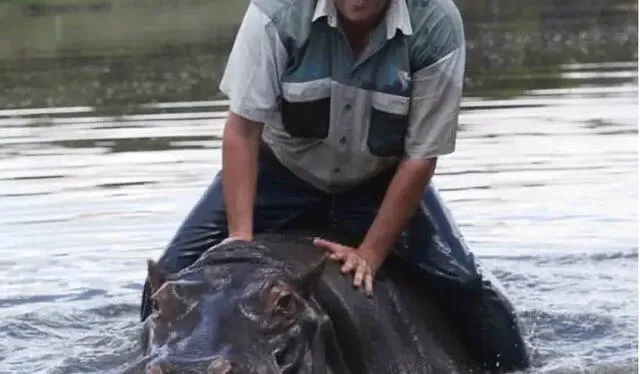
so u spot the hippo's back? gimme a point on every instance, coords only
(401, 329)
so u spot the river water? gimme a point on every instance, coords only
(544, 186)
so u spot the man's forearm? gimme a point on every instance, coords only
(241, 139)
(400, 202)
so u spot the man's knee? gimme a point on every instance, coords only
(204, 227)
(436, 243)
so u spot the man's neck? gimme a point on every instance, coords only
(358, 34)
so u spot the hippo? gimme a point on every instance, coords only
(277, 305)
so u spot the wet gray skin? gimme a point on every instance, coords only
(277, 305)
(233, 311)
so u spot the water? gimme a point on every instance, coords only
(544, 185)
(543, 182)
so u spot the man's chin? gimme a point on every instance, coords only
(358, 18)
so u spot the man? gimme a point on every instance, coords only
(340, 109)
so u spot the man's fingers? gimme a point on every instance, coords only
(230, 239)
(349, 265)
(337, 255)
(351, 262)
(333, 247)
(361, 271)
(368, 284)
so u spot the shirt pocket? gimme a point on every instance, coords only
(305, 108)
(388, 124)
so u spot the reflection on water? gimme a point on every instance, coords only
(544, 186)
(146, 51)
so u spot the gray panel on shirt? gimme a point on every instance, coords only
(340, 120)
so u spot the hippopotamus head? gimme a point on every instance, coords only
(238, 309)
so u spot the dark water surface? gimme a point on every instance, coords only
(544, 186)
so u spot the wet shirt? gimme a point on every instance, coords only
(336, 119)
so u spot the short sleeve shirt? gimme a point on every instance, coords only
(367, 124)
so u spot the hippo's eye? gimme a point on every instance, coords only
(281, 300)
(285, 302)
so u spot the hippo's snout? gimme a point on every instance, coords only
(220, 365)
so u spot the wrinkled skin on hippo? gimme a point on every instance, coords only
(241, 308)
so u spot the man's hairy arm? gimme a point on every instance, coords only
(252, 83)
(400, 202)
(240, 146)
(434, 118)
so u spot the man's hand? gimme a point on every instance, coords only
(363, 262)
(233, 238)
(400, 201)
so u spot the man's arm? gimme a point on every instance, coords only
(252, 83)
(240, 141)
(400, 202)
(432, 132)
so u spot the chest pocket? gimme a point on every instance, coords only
(388, 125)
(305, 108)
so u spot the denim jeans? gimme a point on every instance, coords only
(432, 241)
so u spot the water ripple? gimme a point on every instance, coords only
(544, 187)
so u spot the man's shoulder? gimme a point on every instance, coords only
(437, 29)
(277, 5)
(292, 19)
(301, 10)
(425, 14)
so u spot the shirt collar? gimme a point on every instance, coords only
(397, 16)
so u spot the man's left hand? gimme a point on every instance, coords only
(363, 262)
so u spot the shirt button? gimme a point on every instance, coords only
(347, 107)
(336, 170)
(343, 140)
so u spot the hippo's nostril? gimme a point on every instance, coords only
(220, 366)
(155, 369)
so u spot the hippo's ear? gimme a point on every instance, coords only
(306, 282)
(156, 275)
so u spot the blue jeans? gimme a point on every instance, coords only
(435, 244)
